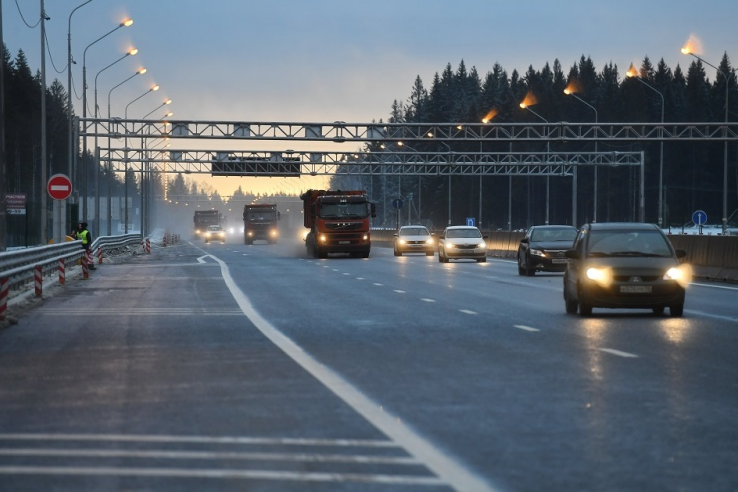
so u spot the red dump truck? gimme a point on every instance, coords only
(338, 221)
(260, 222)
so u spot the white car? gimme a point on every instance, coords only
(462, 242)
(215, 233)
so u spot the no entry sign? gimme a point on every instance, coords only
(59, 187)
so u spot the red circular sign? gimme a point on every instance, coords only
(59, 187)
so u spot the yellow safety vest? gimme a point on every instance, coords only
(83, 236)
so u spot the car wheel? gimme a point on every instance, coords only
(481, 260)
(521, 270)
(571, 306)
(658, 310)
(529, 272)
(676, 310)
(397, 253)
(585, 309)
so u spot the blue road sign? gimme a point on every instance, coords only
(470, 221)
(397, 203)
(699, 217)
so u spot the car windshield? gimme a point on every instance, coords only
(262, 214)
(463, 233)
(343, 211)
(414, 231)
(628, 243)
(546, 235)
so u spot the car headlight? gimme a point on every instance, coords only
(273, 233)
(401, 241)
(537, 252)
(429, 241)
(681, 274)
(250, 233)
(481, 245)
(449, 246)
(602, 276)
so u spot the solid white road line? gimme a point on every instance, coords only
(447, 468)
(222, 474)
(726, 287)
(210, 455)
(239, 440)
(618, 353)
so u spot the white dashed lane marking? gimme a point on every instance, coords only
(466, 311)
(427, 300)
(618, 353)
(526, 328)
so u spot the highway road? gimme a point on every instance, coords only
(233, 367)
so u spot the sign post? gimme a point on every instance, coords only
(59, 188)
(699, 218)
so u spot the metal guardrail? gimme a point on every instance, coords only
(18, 266)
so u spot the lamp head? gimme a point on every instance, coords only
(141, 71)
(155, 88)
(631, 71)
(168, 101)
(126, 23)
(523, 105)
(685, 51)
(133, 51)
(567, 91)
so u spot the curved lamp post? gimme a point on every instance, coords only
(632, 73)
(154, 88)
(570, 92)
(70, 61)
(140, 71)
(145, 192)
(125, 23)
(524, 105)
(130, 52)
(687, 51)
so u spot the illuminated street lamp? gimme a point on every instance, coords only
(633, 74)
(165, 103)
(569, 91)
(140, 71)
(70, 61)
(125, 227)
(525, 105)
(125, 23)
(687, 50)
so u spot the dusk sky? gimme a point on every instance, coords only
(328, 60)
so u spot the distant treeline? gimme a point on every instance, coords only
(693, 171)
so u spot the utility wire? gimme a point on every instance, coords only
(24, 19)
(48, 50)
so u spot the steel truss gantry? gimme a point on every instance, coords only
(294, 163)
(341, 132)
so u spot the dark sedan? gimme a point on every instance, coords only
(624, 265)
(542, 249)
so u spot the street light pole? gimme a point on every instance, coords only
(687, 51)
(569, 92)
(548, 152)
(140, 71)
(131, 52)
(125, 23)
(633, 74)
(71, 144)
(154, 88)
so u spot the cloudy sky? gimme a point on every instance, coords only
(328, 60)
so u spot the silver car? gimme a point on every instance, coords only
(462, 242)
(414, 239)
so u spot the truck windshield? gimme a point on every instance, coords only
(262, 215)
(343, 211)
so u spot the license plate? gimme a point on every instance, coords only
(344, 242)
(635, 289)
(558, 260)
